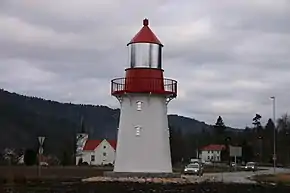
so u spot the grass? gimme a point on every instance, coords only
(270, 178)
(133, 187)
(24, 174)
(29, 174)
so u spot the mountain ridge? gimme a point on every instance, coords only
(23, 118)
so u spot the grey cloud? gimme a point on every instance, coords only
(228, 56)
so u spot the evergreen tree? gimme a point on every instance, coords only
(219, 126)
(220, 132)
(80, 162)
(225, 153)
(83, 128)
(66, 160)
(270, 126)
(259, 136)
(257, 124)
(268, 141)
(283, 139)
(247, 151)
(176, 145)
(30, 157)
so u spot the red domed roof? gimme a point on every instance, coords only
(145, 35)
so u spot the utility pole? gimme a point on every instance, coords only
(274, 134)
(197, 153)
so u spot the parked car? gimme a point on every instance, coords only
(208, 163)
(193, 169)
(251, 166)
(233, 164)
(195, 161)
(43, 164)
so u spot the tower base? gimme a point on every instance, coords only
(141, 175)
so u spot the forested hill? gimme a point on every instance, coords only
(24, 118)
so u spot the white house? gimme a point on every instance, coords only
(98, 152)
(211, 153)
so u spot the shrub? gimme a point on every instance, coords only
(19, 179)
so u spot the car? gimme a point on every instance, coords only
(193, 169)
(43, 163)
(251, 166)
(195, 160)
(233, 164)
(208, 163)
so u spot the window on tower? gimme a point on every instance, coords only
(150, 57)
(137, 128)
(139, 105)
(132, 56)
(160, 57)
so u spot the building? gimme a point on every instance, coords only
(211, 153)
(97, 152)
(143, 134)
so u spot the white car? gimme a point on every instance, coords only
(194, 169)
(251, 166)
(43, 164)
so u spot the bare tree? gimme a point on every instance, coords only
(283, 138)
(283, 123)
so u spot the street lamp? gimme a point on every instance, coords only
(274, 134)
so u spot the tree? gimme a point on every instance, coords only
(220, 132)
(80, 162)
(225, 153)
(176, 145)
(259, 135)
(247, 151)
(283, 139)
(270, 126)
(66, 160)
(283, 123)
(219, 126)
(30, 157)
(268, 141)
(257, 123)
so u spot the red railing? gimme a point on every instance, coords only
(144, 85)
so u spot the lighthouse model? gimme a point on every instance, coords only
(143, 135)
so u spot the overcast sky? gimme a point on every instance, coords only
(229, 56)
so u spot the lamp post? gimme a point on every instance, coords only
(274, 134)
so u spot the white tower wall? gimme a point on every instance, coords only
(149, 150)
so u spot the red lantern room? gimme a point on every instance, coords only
(145, 74)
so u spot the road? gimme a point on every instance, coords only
(227, 177)
(235, 177)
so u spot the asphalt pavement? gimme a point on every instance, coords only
(226, 177)
(235, 177)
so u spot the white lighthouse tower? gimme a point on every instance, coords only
(143, 134)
